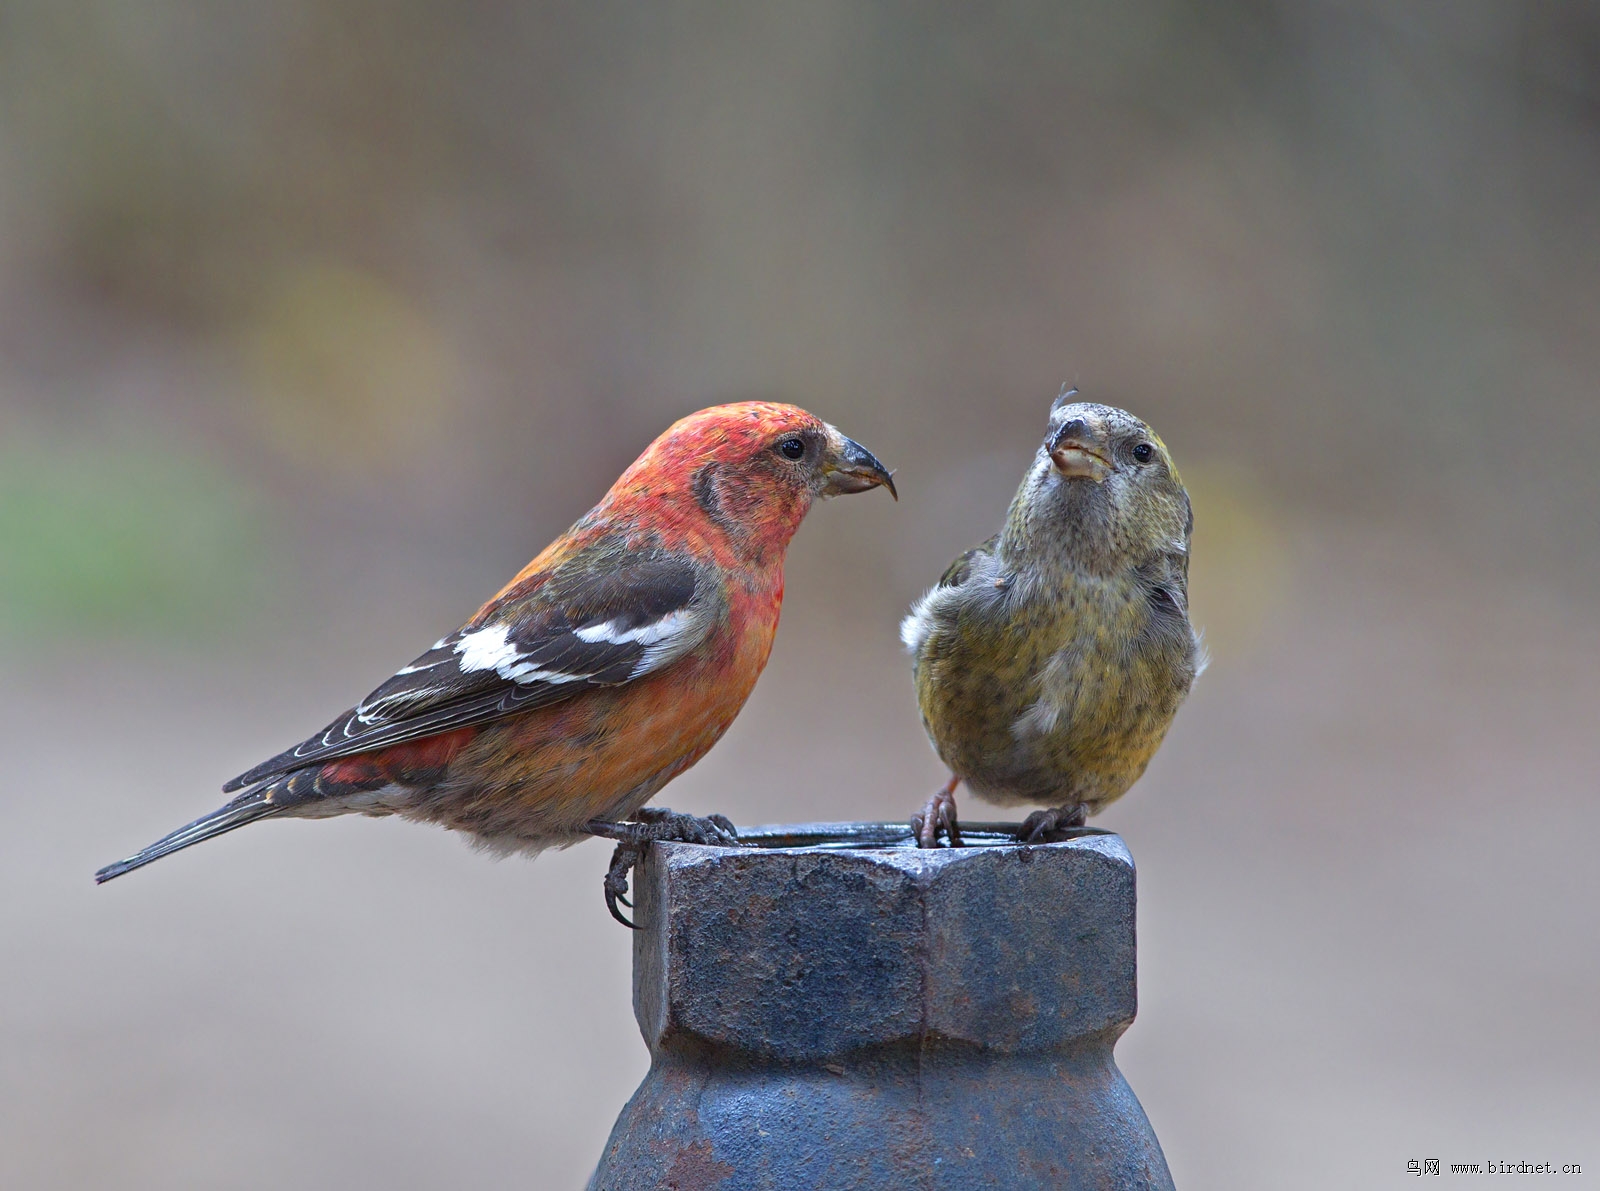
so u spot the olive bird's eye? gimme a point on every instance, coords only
(1143, 451)
(791, 448)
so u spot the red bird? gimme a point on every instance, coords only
(607, 667)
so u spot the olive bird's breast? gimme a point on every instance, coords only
(1051, 691)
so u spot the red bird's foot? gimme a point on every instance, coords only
(658, 822)
(634, 838)
(616, 883)
(1053, 825)
(938, 816)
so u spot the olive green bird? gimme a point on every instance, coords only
(1050, 660)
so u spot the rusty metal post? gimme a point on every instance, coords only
(843, 1015)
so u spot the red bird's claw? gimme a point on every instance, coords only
(659, 823)
(634, 838)
(730, 833)
(623, 861)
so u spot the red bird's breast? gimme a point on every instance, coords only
(535, 779)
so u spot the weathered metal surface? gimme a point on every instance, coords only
(842, 1016)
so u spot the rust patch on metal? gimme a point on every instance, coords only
(696, 1168)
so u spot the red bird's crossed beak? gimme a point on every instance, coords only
(850, 467)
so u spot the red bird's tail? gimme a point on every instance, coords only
(247, 808)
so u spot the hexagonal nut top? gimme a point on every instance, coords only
(806, 953)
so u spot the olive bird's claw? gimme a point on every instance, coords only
(635, 837)
(1052, 825)
(938, 816)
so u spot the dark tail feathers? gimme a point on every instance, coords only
(247, 808)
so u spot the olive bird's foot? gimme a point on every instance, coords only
(1053, 825)
(939, 815)
(634, 838)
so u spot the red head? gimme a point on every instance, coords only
(752, 469)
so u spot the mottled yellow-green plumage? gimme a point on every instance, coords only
(1050, 660)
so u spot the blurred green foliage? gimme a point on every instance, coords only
(125, 541)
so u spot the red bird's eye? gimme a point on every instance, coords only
(791, 448)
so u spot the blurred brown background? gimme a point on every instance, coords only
(319, 317)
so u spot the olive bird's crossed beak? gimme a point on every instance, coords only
(1079, 451)
(850, 467)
